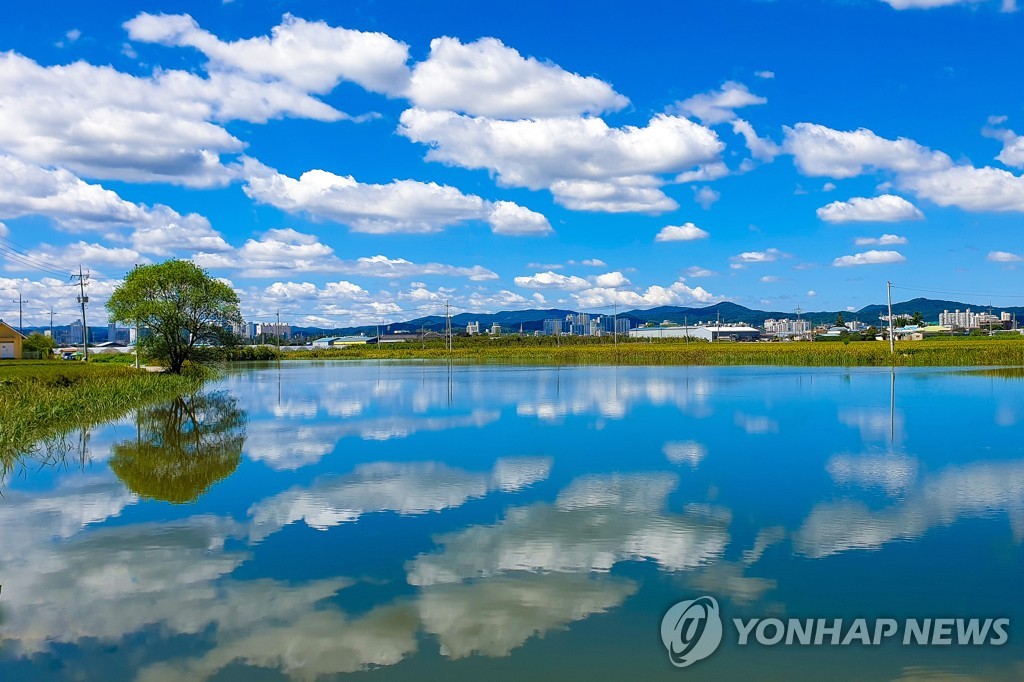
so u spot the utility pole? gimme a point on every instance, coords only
(892, 339)
(51, 323)
(20, 301)
(83, 279)
(718, 324)
(278, 330)
(686, 328)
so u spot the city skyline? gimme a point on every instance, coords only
(363, 164)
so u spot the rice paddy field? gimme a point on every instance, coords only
(955, 352)
(42, 402)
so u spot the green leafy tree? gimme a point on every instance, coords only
(182, 448)
(840, 322)
(183, 308)
(38, 343)
(918, 318)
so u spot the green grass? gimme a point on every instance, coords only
(955, 352)
(41, 402)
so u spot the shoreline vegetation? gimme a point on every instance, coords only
(941, 352)
(43, 402)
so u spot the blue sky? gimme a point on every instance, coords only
(363, 162)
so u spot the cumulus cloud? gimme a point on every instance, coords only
(887, 208)
(681, 233)
(719, 106)
(311, 56)
(760, 148)
(821, 151)
(871, 257)
(884, 240)
(593, 262)
(611, 279)
(70, 256)
(75, 205)
(931, 175)
(551, 280)
(766, 256)
(970, 188)
(279, 252)
(1004, 257)
(698, 271)
(487, 78)
(400, 206)
(677, 293)
(586, 164)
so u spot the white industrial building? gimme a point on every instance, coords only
(699, 332)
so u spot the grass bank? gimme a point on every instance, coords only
(955, 352)
(44, 401)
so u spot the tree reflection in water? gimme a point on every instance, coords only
(182, 448)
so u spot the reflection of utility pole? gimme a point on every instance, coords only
(892, 404)
(83, 299)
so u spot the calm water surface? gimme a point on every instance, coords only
(407, 521)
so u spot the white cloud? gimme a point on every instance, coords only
(760, 148)
(487, 78)
(884, 240)
(611, 279)
(277, 251)
(697, 271)
(887, 208)
(703, 173)
(509, 218)
(551, 280)
(75, 205)
(926, 4)
(929, 174)
(400, 206)
(678, 293)
(1004, 257)
(310, 56)
(586, 164)
(70, 256)
(767, 75)
(812, 293)
(766, 256)
(872, 257)
(970, 188)
(770, 279)
(822, 151)
(593, 263)
(705, 197)
(719, 106)
(681, 233)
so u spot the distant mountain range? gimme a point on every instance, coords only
(532, 320)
